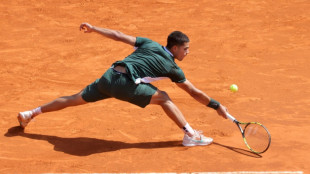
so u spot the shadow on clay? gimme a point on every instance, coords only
(84, 146)
(241, 151)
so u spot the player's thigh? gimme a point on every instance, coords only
(120, 86)
(143, 94)
(139, 95)
(92, 93)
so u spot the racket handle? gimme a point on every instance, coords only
(230, 117)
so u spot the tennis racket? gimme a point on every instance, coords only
(255, 136)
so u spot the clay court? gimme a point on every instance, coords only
(262, 46)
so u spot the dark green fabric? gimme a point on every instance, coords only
(151, 60)
(120, 86)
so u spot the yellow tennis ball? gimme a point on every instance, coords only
(234, 88)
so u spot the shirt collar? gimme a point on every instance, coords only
(168, 51)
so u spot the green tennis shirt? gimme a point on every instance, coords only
(150, 62)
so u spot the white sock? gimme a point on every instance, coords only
(36, 111)
(188, 130)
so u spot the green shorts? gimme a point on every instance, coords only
(120, 86)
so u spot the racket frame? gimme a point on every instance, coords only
(234, 120)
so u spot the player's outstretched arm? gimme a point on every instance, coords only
(201, 96)
(112, 34)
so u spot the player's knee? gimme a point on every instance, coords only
(163, 97)
(75, 99)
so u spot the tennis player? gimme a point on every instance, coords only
(130, 80)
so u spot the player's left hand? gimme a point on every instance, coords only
(86, 27)
(222, 111)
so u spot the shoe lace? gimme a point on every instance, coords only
(198, 134)
(199, 131)
(28, 119)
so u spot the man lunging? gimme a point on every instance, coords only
(130, 80)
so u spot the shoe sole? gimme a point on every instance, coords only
(191, 145)
(20, 120)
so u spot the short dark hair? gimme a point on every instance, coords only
(176, 38)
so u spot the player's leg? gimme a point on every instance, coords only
(63, 102)
(88, 94)
(161, 98)
(60, 103)
(191, 137)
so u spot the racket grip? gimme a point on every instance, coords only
(230, 117)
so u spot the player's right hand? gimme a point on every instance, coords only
(86, 27)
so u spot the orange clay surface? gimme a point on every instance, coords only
(262, 46)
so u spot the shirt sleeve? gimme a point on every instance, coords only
(177, 75)
(141, 40)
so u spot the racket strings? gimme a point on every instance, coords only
(257, 137)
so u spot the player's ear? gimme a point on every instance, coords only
(174, 48)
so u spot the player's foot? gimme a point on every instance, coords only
(24, 118)
(197, 140)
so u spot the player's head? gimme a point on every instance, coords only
(178, 44)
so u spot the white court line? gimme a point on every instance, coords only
(240, 172)
(253, 172)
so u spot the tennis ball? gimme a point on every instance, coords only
(234, 88)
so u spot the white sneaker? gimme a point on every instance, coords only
(24, 118)
(197, 140)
